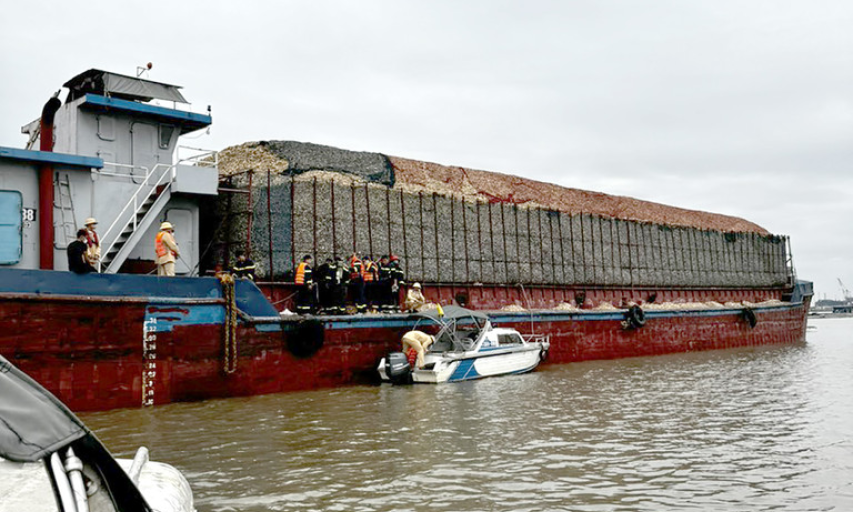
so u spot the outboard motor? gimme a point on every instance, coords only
(398, 369)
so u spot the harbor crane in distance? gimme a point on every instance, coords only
(844, 291)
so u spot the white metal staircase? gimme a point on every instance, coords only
(140, 212)
(149, 200)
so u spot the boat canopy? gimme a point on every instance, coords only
(23, 439)
(104, 83)
(452, 313)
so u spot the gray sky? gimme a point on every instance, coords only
(737, 107)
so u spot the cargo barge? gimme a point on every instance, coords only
(537, 257)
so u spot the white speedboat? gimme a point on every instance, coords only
(466, 347)
(50, 461)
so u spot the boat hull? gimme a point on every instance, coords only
(483, 365)
(116, 351)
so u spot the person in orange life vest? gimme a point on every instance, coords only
(370, 275)
(93, 243)
(304, 280)
(356, 282)
(167, 250)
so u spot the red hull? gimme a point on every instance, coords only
(96, 354)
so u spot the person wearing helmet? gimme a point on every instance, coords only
(167, 250)
(398, 281)
(244, 267)
(306, 289)
(414, 298)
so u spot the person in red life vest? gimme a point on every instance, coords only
(304, 279)
(93, 243)
(370, 275)
(419, 342)
(356, 282)
(167, 250)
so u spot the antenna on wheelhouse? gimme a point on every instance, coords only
(140, 70)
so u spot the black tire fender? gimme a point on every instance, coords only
(306, 338)
(636, 317)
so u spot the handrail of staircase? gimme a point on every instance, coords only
(135, 202)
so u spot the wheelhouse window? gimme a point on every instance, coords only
(11, 224)
(166, 131)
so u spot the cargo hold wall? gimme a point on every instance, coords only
(448, 239)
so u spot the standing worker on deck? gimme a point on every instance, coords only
(338, 277)
(93, 243)
(324, 286)
(356, 282)
(167, 250)
(384, 285)
(305, 286)
(399, 281)
(370, 275)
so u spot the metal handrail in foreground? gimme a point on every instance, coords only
(202, 158)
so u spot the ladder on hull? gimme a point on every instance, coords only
(65, 223)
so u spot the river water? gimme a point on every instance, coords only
(755, 429)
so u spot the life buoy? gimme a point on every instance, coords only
(749, 315)
(412, 356)
(306, 338)
(635, 317)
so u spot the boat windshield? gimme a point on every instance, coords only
(459, 335)
(455, 329)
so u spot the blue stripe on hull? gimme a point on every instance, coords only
(465, 371)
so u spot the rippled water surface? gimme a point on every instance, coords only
(746, 429)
